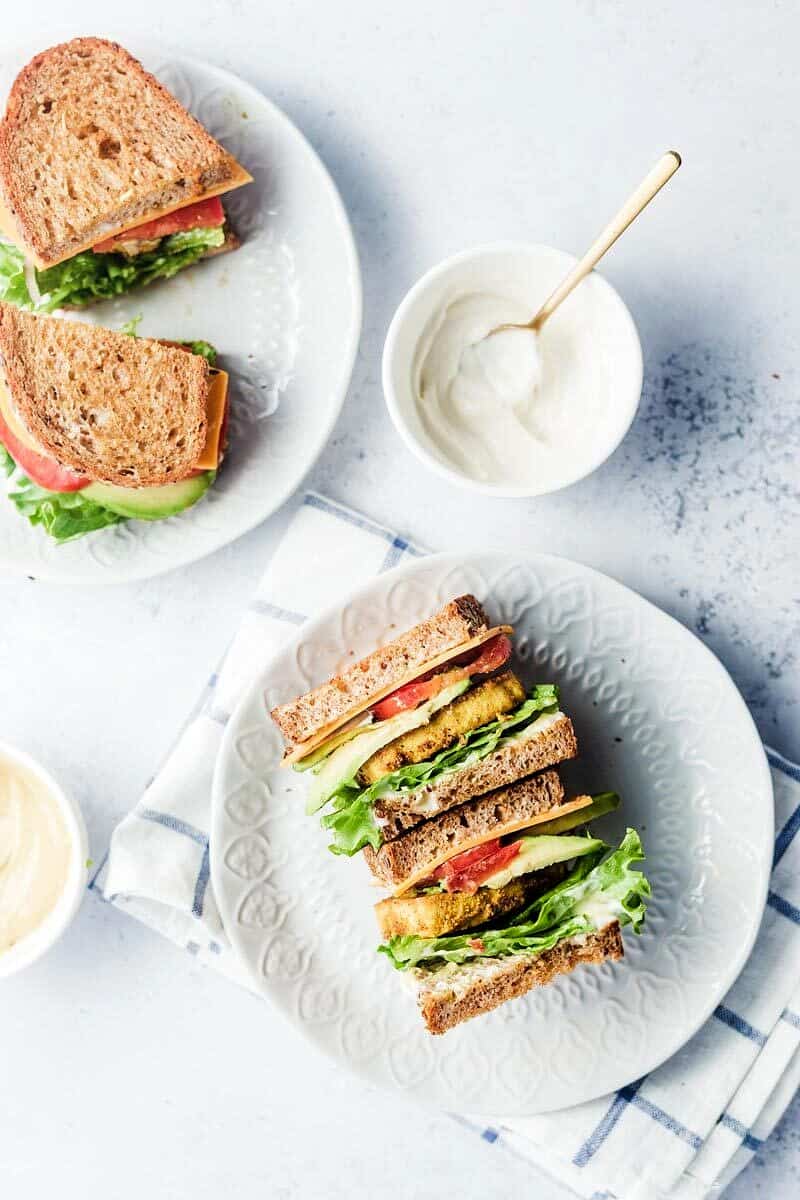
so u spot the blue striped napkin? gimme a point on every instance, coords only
(685, 1130)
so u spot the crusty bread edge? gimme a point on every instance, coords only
(443, 1011)
(28, 231)
(303, 731)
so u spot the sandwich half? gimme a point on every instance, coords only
(99, 427)
(512, 913)
(423, 724)
(107, 183)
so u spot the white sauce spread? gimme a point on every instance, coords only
(502, 409)
(35, 852)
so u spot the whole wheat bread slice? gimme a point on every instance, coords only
(92, 144)
(505, 766)
(439, 913)
(455, 994)
(409, 859)
(117, 409)
(459, 621)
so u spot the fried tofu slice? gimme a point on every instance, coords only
(433, 915)
(480, 705)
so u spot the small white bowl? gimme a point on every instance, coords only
(592, 324)
(40, 939)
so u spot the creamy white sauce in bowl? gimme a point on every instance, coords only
(43, 855)
(517, 414)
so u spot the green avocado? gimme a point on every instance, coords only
(538, 852)
(150, 503)
(601, 804)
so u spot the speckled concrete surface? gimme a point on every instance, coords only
(133, 1071)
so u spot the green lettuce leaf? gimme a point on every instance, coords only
(88, 276)
(63, 515)
(351, 820)
(205, 350)
(602, 888)
(13, 285)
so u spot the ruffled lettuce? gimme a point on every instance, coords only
(63, 515)
(89, 277)
(602, 888)
(352, 821)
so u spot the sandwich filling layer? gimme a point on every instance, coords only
(342, 781)
(602, 887)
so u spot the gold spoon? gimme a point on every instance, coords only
(653, 182)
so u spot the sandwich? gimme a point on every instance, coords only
(98, 427)
(432, 759)
(502, 894)
(107, 183)
(421, 725)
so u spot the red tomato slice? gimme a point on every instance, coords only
(466, 872)
(205, 214)
(489, 657)
(40, 468)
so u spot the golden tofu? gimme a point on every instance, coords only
(480, 705)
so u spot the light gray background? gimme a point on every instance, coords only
(127, 1070)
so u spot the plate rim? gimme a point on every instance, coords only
(460, 558)
(337, 389)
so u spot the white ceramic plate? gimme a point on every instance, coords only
(284, 312)
(658, 719)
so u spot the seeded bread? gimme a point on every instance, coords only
(91, 143)
(408, 859)
(383, 670)
(457, 993)
(444, 912)
(505, 766)
(118, 409)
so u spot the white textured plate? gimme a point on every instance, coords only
(658, 719)
(284, 312)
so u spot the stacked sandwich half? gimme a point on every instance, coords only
(432, 758)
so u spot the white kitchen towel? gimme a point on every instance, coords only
(686, 1129)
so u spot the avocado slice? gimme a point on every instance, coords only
(538, 852)
(150, 503)
(604, 802)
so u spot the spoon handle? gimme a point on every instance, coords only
(653, 181)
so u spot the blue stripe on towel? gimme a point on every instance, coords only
(280, 614)
(490, 1135)
(782, 764)
(791, 1018)
(201, 885)
(601, 1131)
(734, 1021)
(173, 823)
(345, 514)
(742, 1132)
(786, 836)
(394, 554)
(783, 907)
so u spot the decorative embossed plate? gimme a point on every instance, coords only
(284, 312)
(658, 719)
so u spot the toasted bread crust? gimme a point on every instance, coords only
(117, 409)
(442, 912)
(500, 769)
(434, 841)
(460, 620)
(442, 1007)
(91, 142)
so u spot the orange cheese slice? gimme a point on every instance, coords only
(9, 230)
(215, 420)
(513, 827)
(14, 422)
(322, 735)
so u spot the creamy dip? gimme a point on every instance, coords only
(501, 410)
(35, 852)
